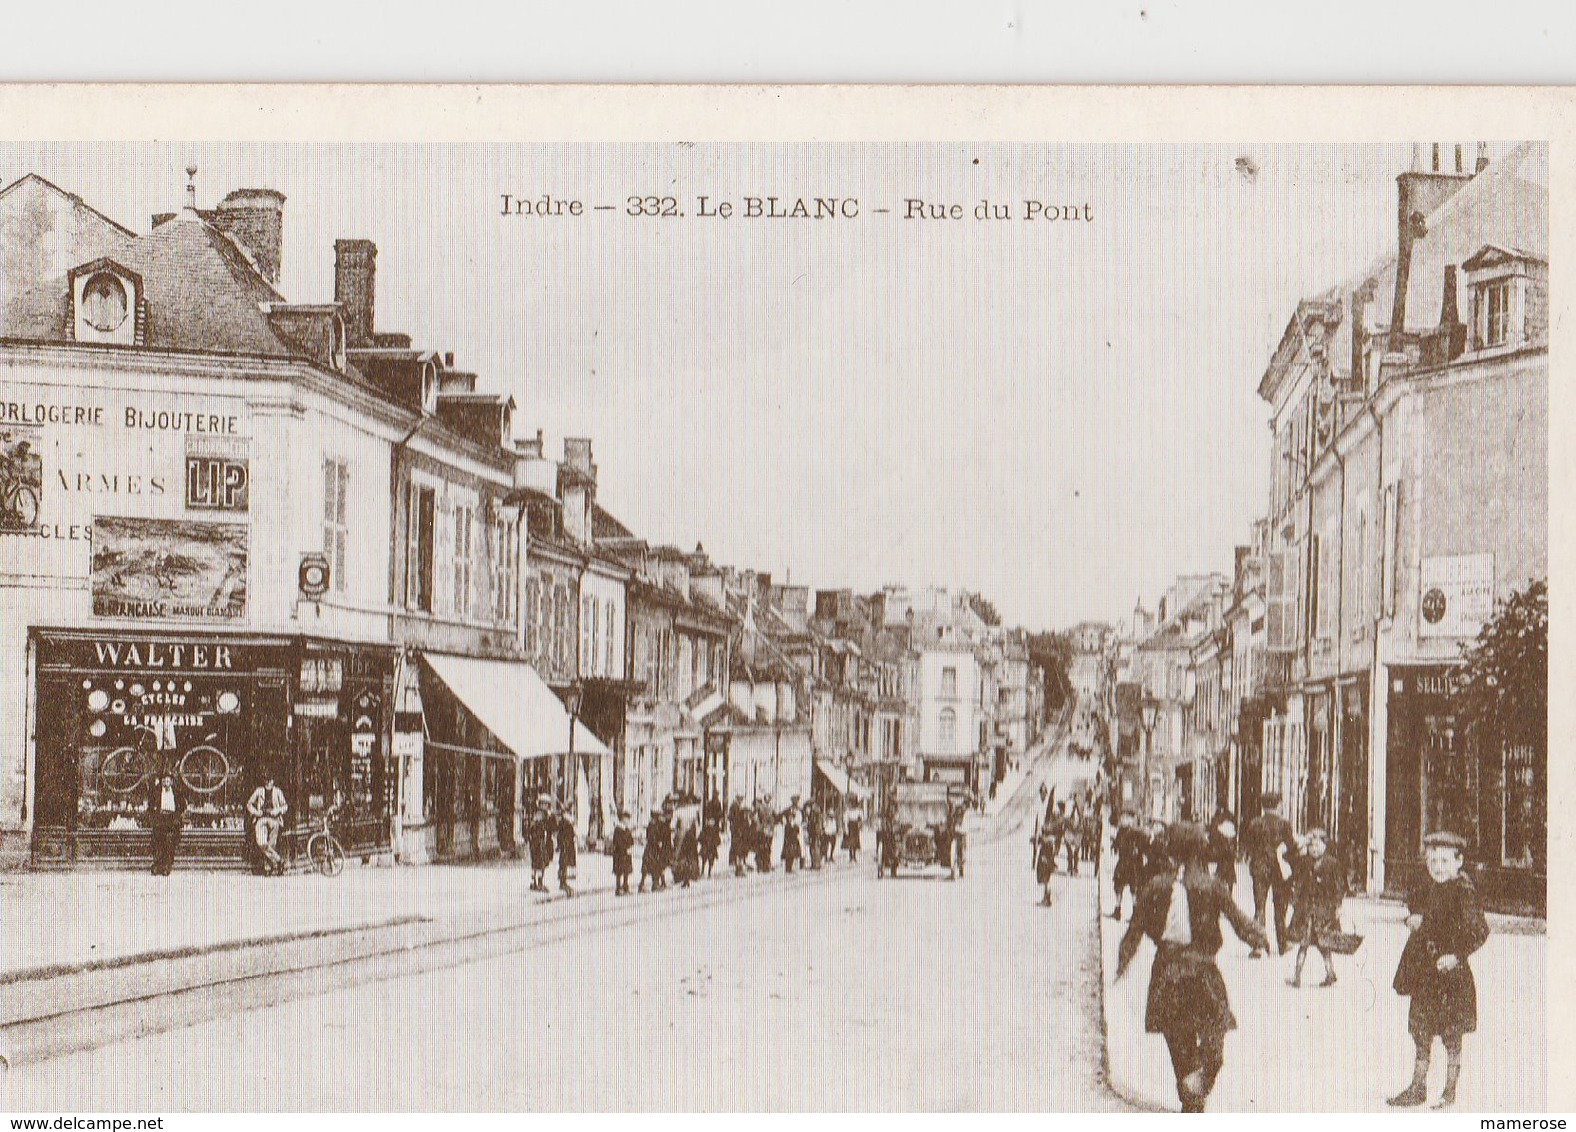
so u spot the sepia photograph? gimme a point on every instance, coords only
(785, 625)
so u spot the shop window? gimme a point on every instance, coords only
(336, 508)
(1522, 843)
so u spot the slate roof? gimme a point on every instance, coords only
(202, 292)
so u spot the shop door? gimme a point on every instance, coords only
(1351, 819)
(1449, 780)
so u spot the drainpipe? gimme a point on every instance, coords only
(401, 659)
(1378, 770)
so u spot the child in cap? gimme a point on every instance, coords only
(1319, 885)
(1447, 927)
(622, 847)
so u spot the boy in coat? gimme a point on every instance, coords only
(1447, 927)
(622, 847)
(1180, 910)
(1319, 883)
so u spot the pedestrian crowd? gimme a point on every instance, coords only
(1182, 877)
(682, 841)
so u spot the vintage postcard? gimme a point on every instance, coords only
(781, 599)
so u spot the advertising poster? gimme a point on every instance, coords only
(169, 568)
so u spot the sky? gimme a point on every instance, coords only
(1059, 414)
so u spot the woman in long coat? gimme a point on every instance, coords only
(851, 833)
(791, 847)
(542, 838)
(1187, 1001)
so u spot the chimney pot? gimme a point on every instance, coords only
(448, 359)
(1482, 157)
(254, 218)
(355, 279)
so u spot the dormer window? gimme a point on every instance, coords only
(1493, 316)
(1509, 297)
(429, 388)
(105, 303)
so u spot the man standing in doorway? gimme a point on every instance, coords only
(166, 811)
(1271, 844)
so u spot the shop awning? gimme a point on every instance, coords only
(515, 704)
(839, 781)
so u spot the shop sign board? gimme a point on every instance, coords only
(1455, 595)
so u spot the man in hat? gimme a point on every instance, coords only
(1271, 844)
(166, 811)
(267, 807)
(1447, 926)
(741, 832)
(565, 834)
(1128, 844)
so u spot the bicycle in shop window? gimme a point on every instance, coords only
(203, 770)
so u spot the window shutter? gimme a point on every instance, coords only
(1282, 592)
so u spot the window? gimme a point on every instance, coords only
(561, 616)
(611, 629)
(949, 682)
(1493, 316)
(505, 567)
(1325, 578)
(949, 729)
(419, 519)
(533, 613)
(336, 537)
(464, 516)
(1281, 631)
(590, 634)
(1360, 574)
(1389, 547)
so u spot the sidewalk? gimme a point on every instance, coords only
(52, 922)
(1344, 1048)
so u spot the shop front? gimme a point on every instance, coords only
(497, 738)
(1442, 775)
(219, 712)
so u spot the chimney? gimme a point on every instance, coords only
(355, 270)
(254, 219)
(1417, 195)
(577, 454)
(1482, 157)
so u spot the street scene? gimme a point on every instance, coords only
(628, 633)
